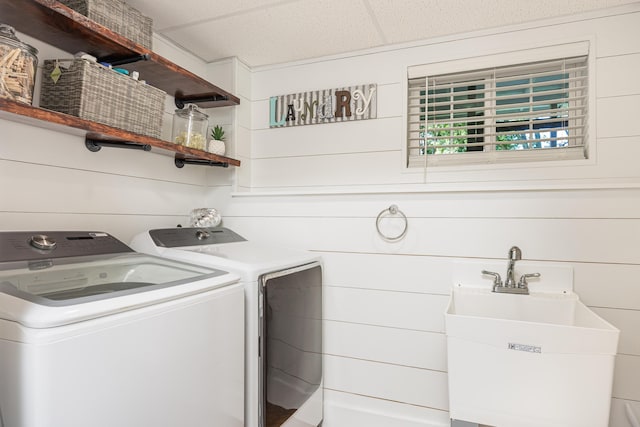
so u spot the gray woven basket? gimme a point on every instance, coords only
(117, 16)
(92, 92)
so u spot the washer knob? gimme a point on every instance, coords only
(42, 241)
(202, 234)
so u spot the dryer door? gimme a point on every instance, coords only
(292, 347)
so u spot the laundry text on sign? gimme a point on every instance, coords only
(323, 106)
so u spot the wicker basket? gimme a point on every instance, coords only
(90, 91)
(117, 16)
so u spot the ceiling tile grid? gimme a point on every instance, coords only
(263, 32)
(282, 32)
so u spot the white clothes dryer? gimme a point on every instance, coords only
(95, 334)
(283, 291)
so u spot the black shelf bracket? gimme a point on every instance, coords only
(195, 99)
(202, 162)
(123, 61)
(95, 145)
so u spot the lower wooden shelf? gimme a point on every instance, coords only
(96, 133)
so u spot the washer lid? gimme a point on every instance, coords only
(50, 292)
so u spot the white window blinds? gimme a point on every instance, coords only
(534, 111)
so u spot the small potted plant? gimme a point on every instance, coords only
(216, 145)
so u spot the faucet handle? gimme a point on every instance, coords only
(522, 283)
(497, 280)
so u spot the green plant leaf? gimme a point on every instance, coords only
(217, 133)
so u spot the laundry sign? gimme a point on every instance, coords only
(323, 106)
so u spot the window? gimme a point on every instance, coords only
(526, 112)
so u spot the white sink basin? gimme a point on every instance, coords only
(542, 359)
(560, 322)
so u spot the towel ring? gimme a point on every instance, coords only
(392, 210)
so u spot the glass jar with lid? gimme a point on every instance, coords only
(18, 64)
(190, 127)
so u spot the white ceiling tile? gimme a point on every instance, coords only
(172, 13)
(283, 32)
(423, 19)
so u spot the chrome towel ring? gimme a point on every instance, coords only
(392, 210)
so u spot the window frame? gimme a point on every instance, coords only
(496, 158)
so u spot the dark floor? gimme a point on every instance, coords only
(277, 415)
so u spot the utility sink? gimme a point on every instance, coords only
(558, 323)
(542, 359)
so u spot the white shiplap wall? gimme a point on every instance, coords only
(321, 187)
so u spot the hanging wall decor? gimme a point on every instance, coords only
(323, 106)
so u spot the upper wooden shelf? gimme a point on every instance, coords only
(57, 25)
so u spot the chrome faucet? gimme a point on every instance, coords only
(515, 254)
(510, 286)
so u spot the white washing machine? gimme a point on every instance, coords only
(95, 334)
(283, 375)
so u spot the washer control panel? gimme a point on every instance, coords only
(183, 236)
(29, 246)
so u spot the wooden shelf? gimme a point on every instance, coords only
(34, 116)
(57, 25)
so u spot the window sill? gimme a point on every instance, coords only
(516, 158)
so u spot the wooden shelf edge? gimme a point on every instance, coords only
(19, 112)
